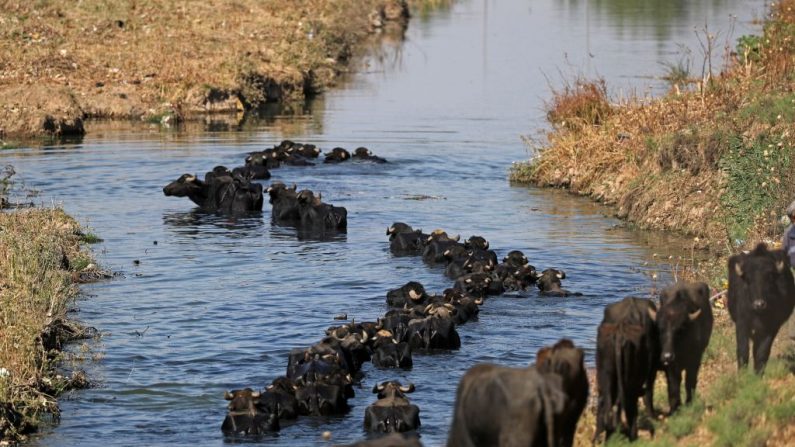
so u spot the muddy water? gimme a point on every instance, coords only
(216, 303)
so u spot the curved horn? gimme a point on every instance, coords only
(652, 314)
(228, 395)
(468, 280)
(377, 388)
(694, 315)
(407, 388)
(255, 394)
(780, 266)
(390, 230)
(560, 275)
(486, 247)
(414, 295)
(364, 337)
(429, 309)
(449, 306)
(479, 301)
(457, 237)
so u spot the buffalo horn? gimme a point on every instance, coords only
(255, 394)
(414, 295)
(384, 333)
(447, 252)
(694, 315)
(738, 269)
(479, 301)
(228, 395)
(653, 314)
(390, 230)
(429, 309)
(468, 280)
(457, 237)
(364, 336)
(449, 306)
(780, 266)
(190, 178)
(560, 275)
(407, 388)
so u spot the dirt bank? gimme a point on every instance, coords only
(61, 64)
(712, 159)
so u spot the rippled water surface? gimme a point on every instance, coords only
(216, 303)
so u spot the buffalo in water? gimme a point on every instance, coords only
(248, 414)
(392, 412)
(221, 191)
(760, 300)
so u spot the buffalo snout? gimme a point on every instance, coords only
(667, 357)
(759, 304)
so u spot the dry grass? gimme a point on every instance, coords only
(714, 162)
(135, 58)
(40, 261)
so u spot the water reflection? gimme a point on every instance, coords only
(197, 223)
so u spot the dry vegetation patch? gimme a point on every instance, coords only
(136, 58)
(712, 162)
(40, 263)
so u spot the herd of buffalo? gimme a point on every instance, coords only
(495, 405)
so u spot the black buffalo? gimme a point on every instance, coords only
(316, 215)
(549, 283)
(285, 203)
(404, 240)
(760, 300)
(499, 406)
(364, 154)
(474, 284)
(388, 352)
(247, 415)
(279, 398)
(252, 172)
(567, 362)
(221, 191)
(436, 331)
(337, 155)
(321, 399)
(411, 293)
(390, 440)
(392, 412)
(626, 364)
(684, 322)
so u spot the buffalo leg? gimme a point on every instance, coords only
(762, 345)
(691, 381)
(648, 395)
(743, 335)
(632, 418)
(674, 378)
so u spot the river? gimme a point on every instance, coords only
(215, 303)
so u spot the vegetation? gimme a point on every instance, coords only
(151, 59)
(713, 161)
(40, 263)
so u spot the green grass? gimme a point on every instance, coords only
(90, 238)
(754, 183)
(745, 397)
(771, 109)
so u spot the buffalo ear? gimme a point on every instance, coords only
(780, 266)
(653, 313)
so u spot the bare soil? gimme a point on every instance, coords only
(61, 63)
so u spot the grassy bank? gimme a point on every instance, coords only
(40, 263)
(159, 60)
(712, 160)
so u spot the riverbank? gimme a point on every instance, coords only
(41, 261)
(712, 159)
(163, 61)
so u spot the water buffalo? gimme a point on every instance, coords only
(626, 364)
(285, 203)
(304, 150)
(392, 412)
(252, 172)
(316, 215)
(549, 283)
(247, 415)
(684, 321)
(474, 284)
(364, 154)
(221, 191)
(515, 258)
(321, 399)
(279, 398)
(500, 406)
(388, 352)
(337, 155)
(476, 242)
(266, 159)
(404, 240)
(566, 361)
(436, 331)
(434, 251)
(760, 300)
(467, 307)
(411, 293)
